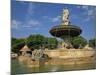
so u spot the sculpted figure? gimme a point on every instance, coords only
(65, 17)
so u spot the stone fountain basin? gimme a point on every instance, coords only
(60, 30)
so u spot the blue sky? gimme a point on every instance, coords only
(38, 18)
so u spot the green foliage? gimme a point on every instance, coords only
(38, 41)
(92, 43)
(17, 44)
(78, 42)
(51, 43)
(33, 42)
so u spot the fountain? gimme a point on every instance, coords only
(58, 57)
(66, 30)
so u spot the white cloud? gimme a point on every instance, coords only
(90, 15)
(32, 23)
(52, 19)
(23, 2)
(89, 12)
(28, 24)
(15, 24)
(46, 17)
(29, 21)
(30, 10)
(56, 19)
(82, 6)
(85, 7)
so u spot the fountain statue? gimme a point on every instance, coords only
(65, 30)
(65, 17)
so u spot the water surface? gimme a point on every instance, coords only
(20, 68)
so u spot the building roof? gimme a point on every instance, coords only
(25, 48)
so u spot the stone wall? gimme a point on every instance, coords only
(70, 53)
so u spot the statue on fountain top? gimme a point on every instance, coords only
(65, 17)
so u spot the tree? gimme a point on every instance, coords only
(92, 43)
(17, 44)
(78, 41)
(52, 43)
(35, 41)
